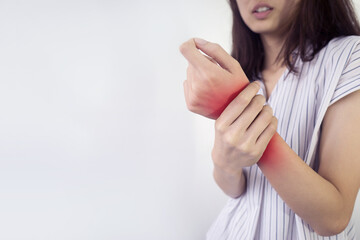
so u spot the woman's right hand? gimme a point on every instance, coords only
(243, 131)
(213, 80)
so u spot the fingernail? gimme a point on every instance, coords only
(200, 41)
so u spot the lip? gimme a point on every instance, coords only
(261, 15)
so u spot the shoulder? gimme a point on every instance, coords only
(341, 69)
(344, 42)
(335, 70)
(334, 56)
(341, 47)
(333, 59)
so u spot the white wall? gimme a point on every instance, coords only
(95, 139)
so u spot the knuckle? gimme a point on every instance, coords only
(243, 99)
(217, 50)
(235, 67)
(253, 154)
(192, 104)
(273, 124)
(255, 85)
(262, 98)
(229, 139)
(245, 147)
(216, 46)
(268, 110)
(236, 64)
(184, 47)
(273, 128)
(275, 120)
(219, 126)
(259, 100)
(191, 107)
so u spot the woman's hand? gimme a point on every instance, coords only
(243, 131)
(245, 126)
(213, 80)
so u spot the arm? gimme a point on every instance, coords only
(217, 88)
(232, 185)
(242, 133)
(325, 199)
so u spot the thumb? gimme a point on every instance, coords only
(216, 52)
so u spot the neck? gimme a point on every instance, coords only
(272, 48)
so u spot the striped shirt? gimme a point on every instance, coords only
(299, 102)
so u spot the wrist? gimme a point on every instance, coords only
(227, 172)
(232, 184)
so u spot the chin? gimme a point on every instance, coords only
(262, 29)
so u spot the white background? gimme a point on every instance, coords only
(95, 138)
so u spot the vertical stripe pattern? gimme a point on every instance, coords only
(299, 102)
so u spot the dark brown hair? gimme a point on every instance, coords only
(315, 23)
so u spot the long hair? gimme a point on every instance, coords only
(315, 23)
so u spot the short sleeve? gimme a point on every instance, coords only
(350, 78)
(338, 76)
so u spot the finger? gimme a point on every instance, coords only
(189, 50)
(216, 52)
(268, 133)
(249, 114)
(212, 60)
(260, 123)
(237, 106)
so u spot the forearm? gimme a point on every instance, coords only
(232, 185)
(313, 198)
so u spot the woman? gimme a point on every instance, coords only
(305, 56)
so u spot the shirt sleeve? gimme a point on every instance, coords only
(350, 78)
